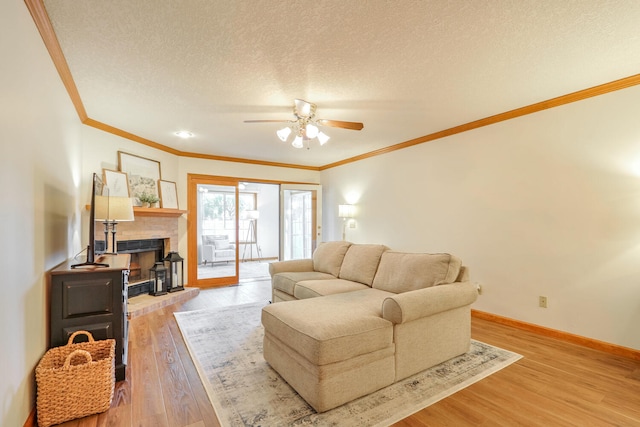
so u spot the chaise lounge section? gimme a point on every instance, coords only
(356, 318)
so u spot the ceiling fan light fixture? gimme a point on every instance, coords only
(305, 127)
(284, 133)
(297, 142)
(303, 108)
(322, 138)
(311, 130)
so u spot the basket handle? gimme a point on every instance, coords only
(76, 333)
(67, 362)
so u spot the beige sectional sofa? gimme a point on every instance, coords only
(356, 318)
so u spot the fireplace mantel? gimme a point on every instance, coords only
(161, 212)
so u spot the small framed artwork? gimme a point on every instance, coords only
(117, 183)
(168, 194)
(143, 174)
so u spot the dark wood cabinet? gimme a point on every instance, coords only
(93, 299)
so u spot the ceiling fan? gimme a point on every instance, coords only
(305, 125)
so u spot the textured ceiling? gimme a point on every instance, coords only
(405, 68)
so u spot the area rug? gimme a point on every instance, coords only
(226, 347)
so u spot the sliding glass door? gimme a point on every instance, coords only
(233, 224)
(213, 231)
(301, 219)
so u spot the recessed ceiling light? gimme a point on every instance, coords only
(184, 134)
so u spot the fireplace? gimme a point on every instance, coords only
(148, 239)
(144, 254)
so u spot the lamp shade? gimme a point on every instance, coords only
(113, 208)
(284, 133)
(252, 214)
(101, 208)
(323, 138)
(297, 142)
(121, 209)
(311, 130)
(346, 211)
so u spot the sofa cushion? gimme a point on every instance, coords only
(361, 263)
(332, 328)
(285, 282)
(318, 288)
(328, 257)
(402, 272)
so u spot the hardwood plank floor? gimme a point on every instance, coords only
(554, 384)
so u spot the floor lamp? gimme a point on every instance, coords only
(111, 210)
(252, 235)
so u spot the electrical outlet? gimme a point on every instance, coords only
(542, 301)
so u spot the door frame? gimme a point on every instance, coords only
(193, 180)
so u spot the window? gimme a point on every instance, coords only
(248, 202)
(300, 234)
(219, 212)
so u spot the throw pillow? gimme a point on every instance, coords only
(361, 263)
(402, 272)
(328, 257)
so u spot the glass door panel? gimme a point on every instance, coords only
(213, 232)
(300, 231)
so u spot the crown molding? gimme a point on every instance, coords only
(43, 23)
(518, 112)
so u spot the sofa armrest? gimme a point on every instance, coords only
(207, 252)
(290, 265)
(412, 305)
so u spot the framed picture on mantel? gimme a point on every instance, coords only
(117, 183)
(168, 194)
(143, 174)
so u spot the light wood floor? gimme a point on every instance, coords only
(555, 384)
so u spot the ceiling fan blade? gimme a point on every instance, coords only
(267, 121)
(341, 124)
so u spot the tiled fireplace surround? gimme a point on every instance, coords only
(163, 228)
(149, 227)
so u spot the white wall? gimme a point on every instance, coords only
(547, 204)
(40, 175)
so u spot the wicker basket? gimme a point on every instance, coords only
(75, 380)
